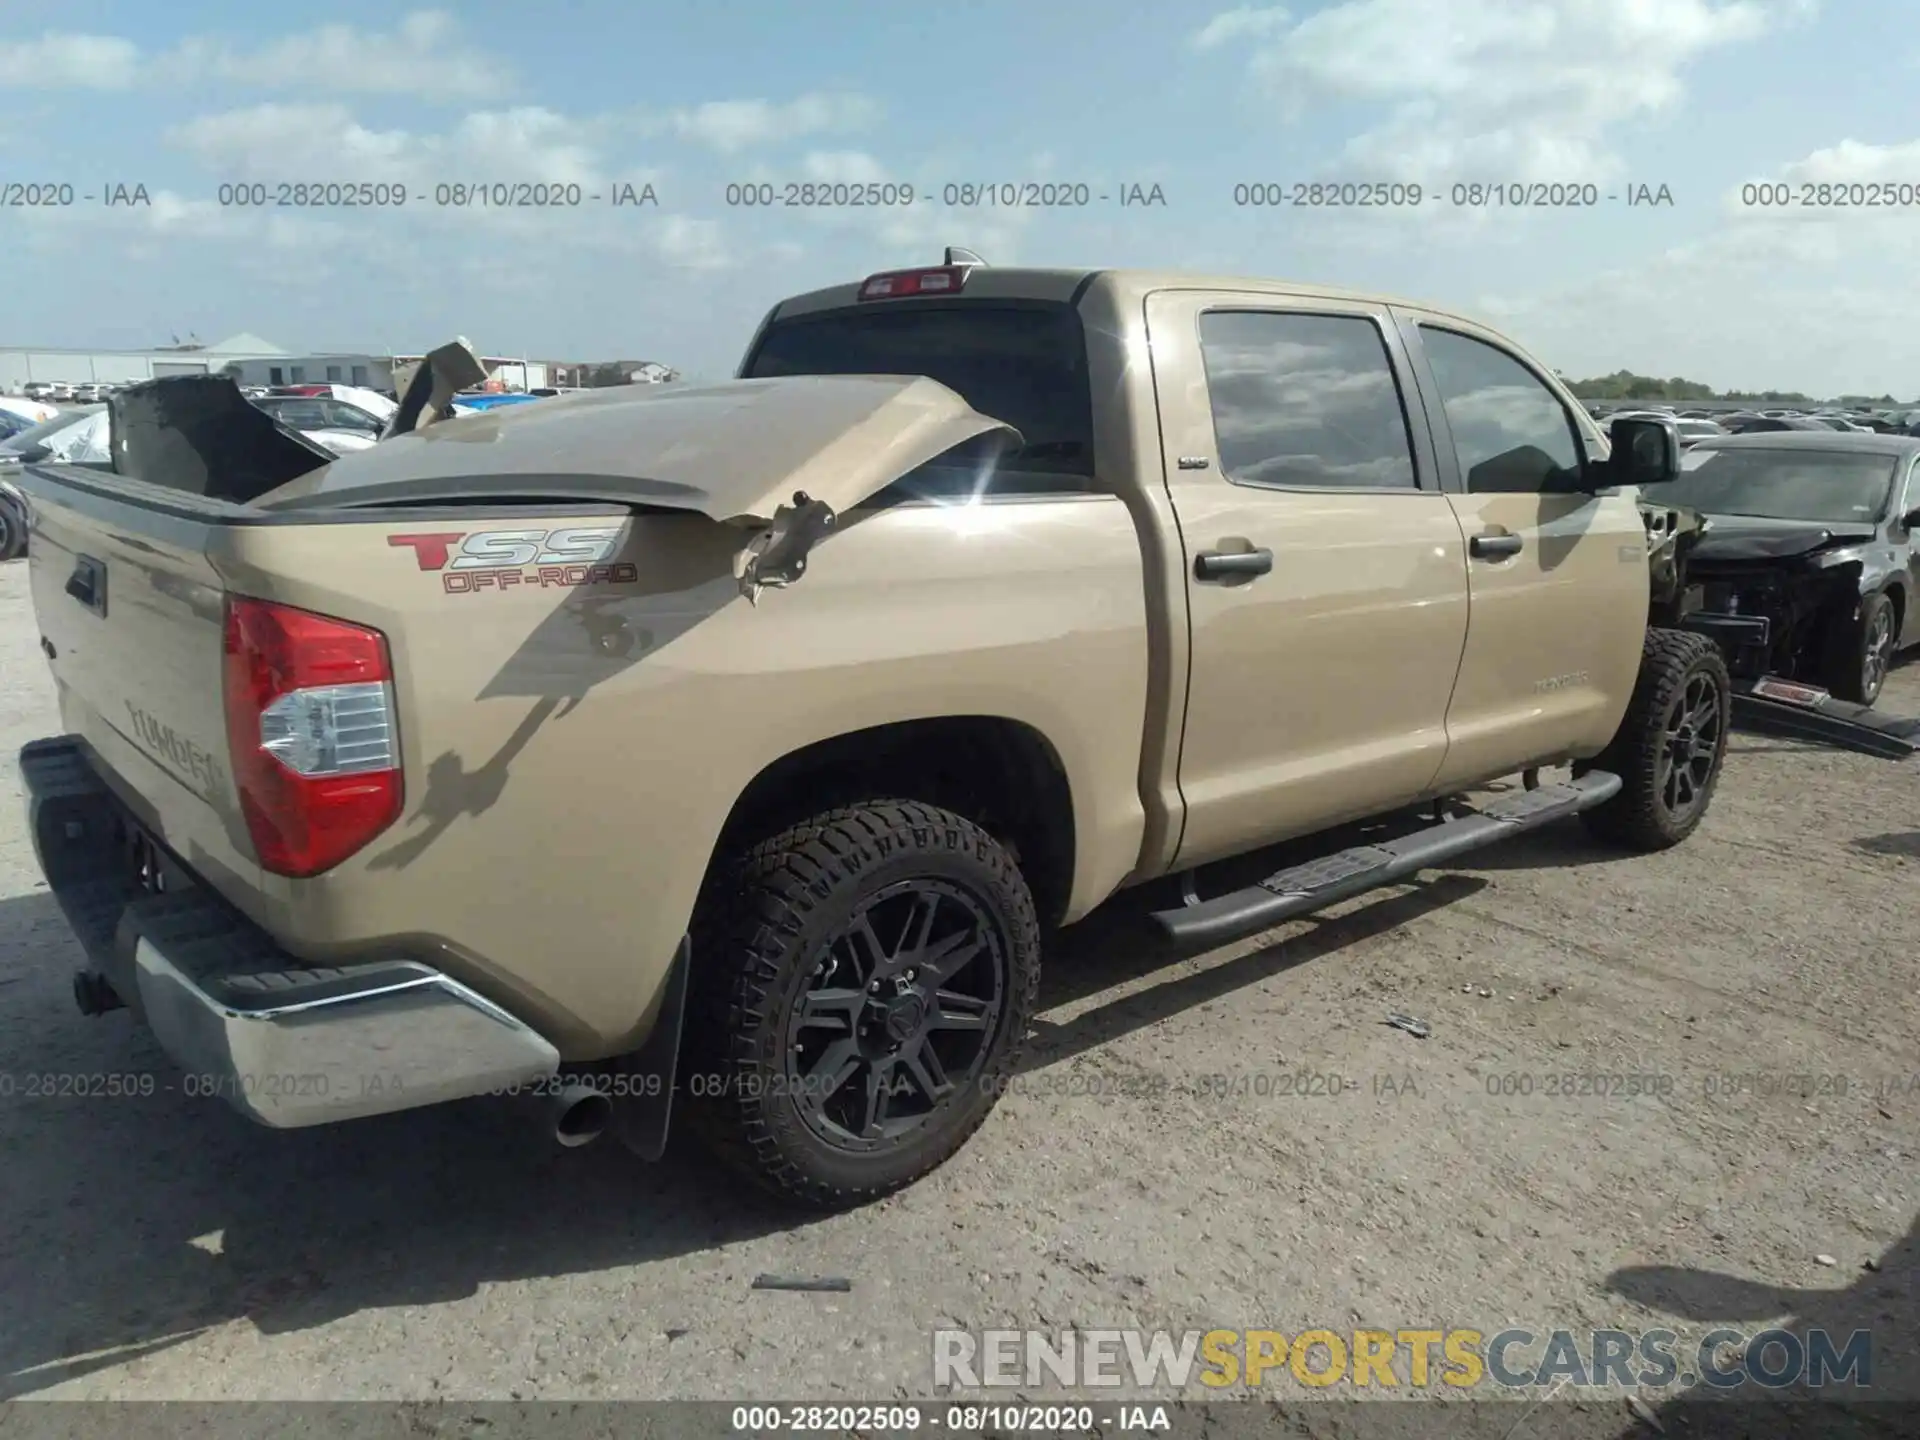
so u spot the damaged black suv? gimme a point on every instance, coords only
(1804, 565)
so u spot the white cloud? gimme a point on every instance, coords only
(70, 62)
(843, 167)
(426, 57)
(1493, 89)
(326, 142)
(692, 244)
(1855, 160)
(1799, 297)
(1246, 23)
(276, 143)
(288, 142)
(730, 126)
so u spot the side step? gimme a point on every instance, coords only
(1341, 876)
(1806, 712)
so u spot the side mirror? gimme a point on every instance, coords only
(1911, 520)
(1645, 452)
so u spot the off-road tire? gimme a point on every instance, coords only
(1640, 817)
(1849, 678)
(767, 917)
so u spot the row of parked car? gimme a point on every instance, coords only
(338, 418)
(1696, 425)
(72, 392)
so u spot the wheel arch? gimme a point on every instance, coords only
(1895, 589)
(1003, 774)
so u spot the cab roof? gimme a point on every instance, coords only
(993, 282)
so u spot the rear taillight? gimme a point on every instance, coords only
(310, 719)
(897, 284)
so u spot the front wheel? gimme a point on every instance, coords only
(1865, 654)
(13, 535)
(863, 982)
(1669, 747)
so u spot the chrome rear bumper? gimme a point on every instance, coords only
(286, 1044)
(339, 1045)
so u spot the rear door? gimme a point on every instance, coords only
(1326, 570)
(1558, 581)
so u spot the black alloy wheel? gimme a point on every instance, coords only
(1861, 653)
(899, 1015)
(861, 992)
(1876, 648)
(1695, 732)
(1670, 745)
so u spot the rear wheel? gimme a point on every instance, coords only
(863, 985)
(1865, 653)
(12, 533)
(1669, 748)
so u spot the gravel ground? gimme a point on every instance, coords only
(166, 1248)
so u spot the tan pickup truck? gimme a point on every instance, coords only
(724, 752)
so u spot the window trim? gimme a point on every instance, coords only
(1392, 347)
(1447, 453)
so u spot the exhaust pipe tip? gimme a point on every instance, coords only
(581, 1115)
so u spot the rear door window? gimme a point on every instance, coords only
(1305, 401)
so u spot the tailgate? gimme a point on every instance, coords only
(131, 623)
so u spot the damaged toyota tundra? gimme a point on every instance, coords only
(718, 756)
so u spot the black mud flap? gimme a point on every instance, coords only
(1772, 706)
(642, 1116)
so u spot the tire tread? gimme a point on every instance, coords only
(748, 922)
(1637, 817)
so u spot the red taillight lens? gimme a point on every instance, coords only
(895, 284)
(310, 719)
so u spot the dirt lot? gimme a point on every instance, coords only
(165, 1248)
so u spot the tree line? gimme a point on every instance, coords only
(1626, 385)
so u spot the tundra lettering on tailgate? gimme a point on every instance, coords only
(166, 744)
(499, 560)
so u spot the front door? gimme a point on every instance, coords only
(1558, 579)
(1326, 572)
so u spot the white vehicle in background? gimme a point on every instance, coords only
(342, 442)
(84, 437)
(71, 437)
(317, 415)
(357, 396)
(28, 408)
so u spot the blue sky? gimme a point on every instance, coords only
(1701, 96)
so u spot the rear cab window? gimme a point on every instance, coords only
(1021, 362)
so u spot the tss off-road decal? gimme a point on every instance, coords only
(498, 560)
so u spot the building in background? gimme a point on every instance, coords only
(626, 372)
(371, 372)
(20, 363)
